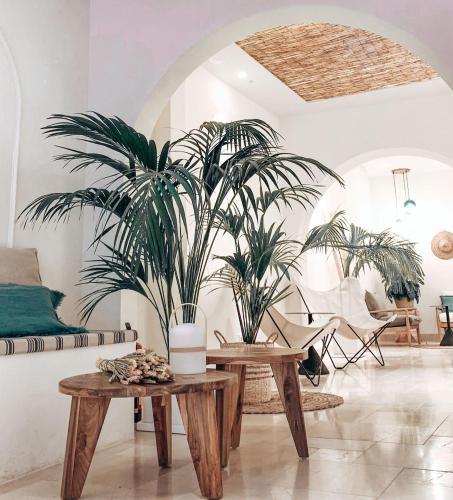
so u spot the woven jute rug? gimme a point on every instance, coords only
(311, 401)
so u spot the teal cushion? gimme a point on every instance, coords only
(29, 310)
(57, 298)
(447, 300)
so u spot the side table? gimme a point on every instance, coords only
(284, 366)
(91, 395)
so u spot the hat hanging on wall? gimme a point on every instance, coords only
(442, 245)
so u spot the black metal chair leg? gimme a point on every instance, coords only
(325, 345)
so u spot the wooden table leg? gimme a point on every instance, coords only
(287, 380)
(162, 429)
(85, 424)
(237, 408)
(199, 417)
(225, 409)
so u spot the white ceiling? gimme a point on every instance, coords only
(259, 85)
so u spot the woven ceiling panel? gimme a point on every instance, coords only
(320, 61)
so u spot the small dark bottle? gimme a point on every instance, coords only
(137, 401)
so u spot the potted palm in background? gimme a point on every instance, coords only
(403, 291)
(394, 258)
(386, 252)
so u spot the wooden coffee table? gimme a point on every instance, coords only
(91, 394)
(283, 362)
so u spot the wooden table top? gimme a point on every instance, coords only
(241, 355)
(98, 385)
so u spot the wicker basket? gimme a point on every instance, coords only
(258, 376)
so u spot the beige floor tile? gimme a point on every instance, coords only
(347, 456)
(445, 428)
(339, 444)
(321, 495)
(368, 432)
(338, 477)
(442, 442)
(417, 456)
(417, 418)
(420, 485)
(394, 419)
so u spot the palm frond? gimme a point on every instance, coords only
(163, 216)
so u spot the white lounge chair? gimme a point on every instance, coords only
(346, 303)
(302, 336)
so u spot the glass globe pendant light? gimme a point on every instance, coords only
(409, 204)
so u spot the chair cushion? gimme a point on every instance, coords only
(447, 301)
(443, 317)
(19, 265)
(401, 321)
(29, 310)
(373, 304)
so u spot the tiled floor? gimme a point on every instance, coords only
(392, 439)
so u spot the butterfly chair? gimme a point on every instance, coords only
(301, 336)
(346, 303)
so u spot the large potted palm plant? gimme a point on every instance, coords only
(157, 216)
(258, 273)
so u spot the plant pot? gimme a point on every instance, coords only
(258, 384)
(258, 376)
(404, 303)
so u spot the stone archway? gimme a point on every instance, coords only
(201, 51)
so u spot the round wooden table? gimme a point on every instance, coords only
(91, 394)
(283, 362)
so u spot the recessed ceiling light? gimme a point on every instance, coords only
(242, 75)
(214, 61)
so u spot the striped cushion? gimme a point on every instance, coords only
(22, 345)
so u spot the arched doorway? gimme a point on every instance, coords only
(368, 200)
(211, 44)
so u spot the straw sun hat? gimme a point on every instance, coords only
(442, 245)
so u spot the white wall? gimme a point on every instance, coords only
(36, 415)
(337, 137)
(49, 43)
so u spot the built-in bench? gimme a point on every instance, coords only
(93, 338)
(33, 415)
